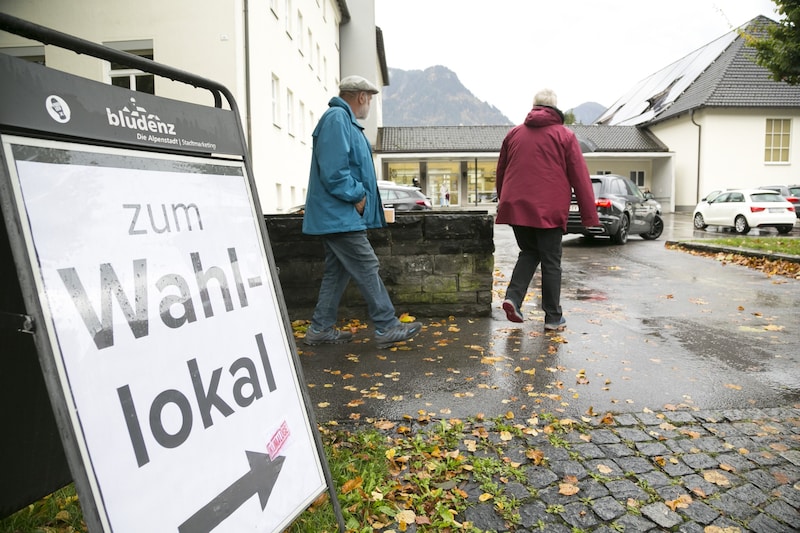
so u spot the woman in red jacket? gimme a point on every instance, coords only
(540, 165)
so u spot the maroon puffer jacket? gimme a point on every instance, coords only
(540, 163)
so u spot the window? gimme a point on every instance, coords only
(301, 117)
(289, 112)
(637, 176)
(300, 31)
(310, 47)
(276, 100)
(273, 6)
(124, 76)
(279, 197)
(287, 17)
(776, 140)
(34, 54)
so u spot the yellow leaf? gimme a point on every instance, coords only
(506, 435)
(734, 387)
(485, 497)
(537, 456)
(773, 327)
(390, 453)
(405, 317)
(603, 469)
(717, 478)
(681, 502)
(406, 516)
(567, 489)
(351, 484)
(384, 424)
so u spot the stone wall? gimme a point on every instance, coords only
(433, 264)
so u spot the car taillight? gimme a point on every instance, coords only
(793, 199)
(754, 209)
(423, 202)
(792, 209)
(603, 202)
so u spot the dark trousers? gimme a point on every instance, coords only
(538, 246)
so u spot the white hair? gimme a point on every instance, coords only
(546, 97)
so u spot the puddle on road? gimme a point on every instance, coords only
(591, 295)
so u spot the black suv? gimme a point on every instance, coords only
(623, 209)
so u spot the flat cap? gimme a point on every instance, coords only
(356, 84)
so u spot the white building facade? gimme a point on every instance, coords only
(281, 59)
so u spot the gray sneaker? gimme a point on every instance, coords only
(398, 333)
(556, 326)
(329, 336)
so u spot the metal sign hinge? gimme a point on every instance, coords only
(17, 322)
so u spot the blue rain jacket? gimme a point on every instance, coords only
(342, 172)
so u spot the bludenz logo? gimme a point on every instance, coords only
(137, 118)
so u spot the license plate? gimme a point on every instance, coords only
(776, 210)
(573, 208)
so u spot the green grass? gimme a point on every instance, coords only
(59, 512)
(381, 481)
(781, 245)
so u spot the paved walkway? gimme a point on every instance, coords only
(687, 471)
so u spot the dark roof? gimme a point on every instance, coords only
(439, 139)
(421, 139)
(619, 138)
(721, 74)
(736, 80)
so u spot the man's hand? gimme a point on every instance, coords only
(360, 205)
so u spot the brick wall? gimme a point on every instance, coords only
(433, 264)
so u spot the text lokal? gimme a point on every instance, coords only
(244, 390)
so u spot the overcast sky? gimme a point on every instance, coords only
(503, 51)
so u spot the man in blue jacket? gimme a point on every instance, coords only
(342, 203)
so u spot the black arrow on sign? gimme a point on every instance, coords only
(259, 480)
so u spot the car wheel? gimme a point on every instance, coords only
(621, 236)
(783, 230)
(740, 224)
(699, 222)
(656, 231)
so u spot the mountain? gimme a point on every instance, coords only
(434, 97)
(588, 112)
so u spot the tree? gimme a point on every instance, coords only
(779, 51)
(569, 117)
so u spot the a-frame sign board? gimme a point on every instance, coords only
(136, 258)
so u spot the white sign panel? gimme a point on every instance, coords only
(167, 330)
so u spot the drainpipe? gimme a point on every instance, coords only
(476, 181)
(247, 105)
(699, 141)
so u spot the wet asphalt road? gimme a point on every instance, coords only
(648, 328)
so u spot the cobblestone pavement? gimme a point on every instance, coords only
(688, 471)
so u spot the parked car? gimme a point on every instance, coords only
(623, 209)
(743, 209)
(790, 192)
(403, 197)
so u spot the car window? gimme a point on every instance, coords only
(736, 197)
(633, 190)
(795, 191)
(713, 194)
(766, 197)
(617, 187)
(597, 185)
(721, 198)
